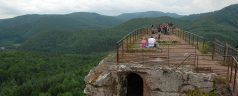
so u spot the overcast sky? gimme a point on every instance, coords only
(12, 8)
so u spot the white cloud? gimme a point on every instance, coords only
(10, 8)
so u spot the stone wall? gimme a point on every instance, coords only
(109, 79)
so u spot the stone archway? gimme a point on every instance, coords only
(134, 85)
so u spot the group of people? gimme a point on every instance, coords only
(156, 33)
(148, 43)
(166, 28)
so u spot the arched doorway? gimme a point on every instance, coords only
(134, 85)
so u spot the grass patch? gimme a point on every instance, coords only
(203, 48)
(134, 50)
(221, 80)
(197, 92)
(167, 42)
(219, 83)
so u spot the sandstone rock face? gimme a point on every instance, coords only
(110, 79)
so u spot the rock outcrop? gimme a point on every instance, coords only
(110, 79)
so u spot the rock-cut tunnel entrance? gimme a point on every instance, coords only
(134, 85)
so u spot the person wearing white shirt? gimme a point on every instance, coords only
(151, 42)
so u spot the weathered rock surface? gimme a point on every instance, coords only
(110, 79)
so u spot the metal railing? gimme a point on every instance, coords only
(223, 48)
(189, 56)
(166, 50)
(232, 71)
(221, 52)
(123, 45)
(191, 38)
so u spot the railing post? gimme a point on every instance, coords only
(189, 38)
(193, 39)
(147, 31)
(168, 55)
(197, 43)
(142, 33)
(138, 34)
(213, 50)
(203, 43)
(180, 36)
(134, 33)
(122, 47)
(231, 70)
(234, 85)
(176, 32)
(225, 53)
(196, 57)
(117, 48)
(197, 63)
(179, 33)
(228, 69)
(183, 36)
(130, 39)
(127, 45)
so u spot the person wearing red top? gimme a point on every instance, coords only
(143, 42)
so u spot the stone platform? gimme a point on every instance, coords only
(111, 79)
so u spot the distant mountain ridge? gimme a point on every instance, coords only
(147, 14)
(19, 29)
(221, 24)
(84, 32)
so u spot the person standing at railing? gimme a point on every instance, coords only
(152, 29)
(143, 42)
(165, 28)
(159, 32)
(155, 35)
(161, 28)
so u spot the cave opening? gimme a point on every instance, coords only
(134, 85)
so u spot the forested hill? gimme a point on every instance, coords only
(81, 41)
(221, 24)
(82, 32)
(21, 28)
(15, 31)
(148, 14)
